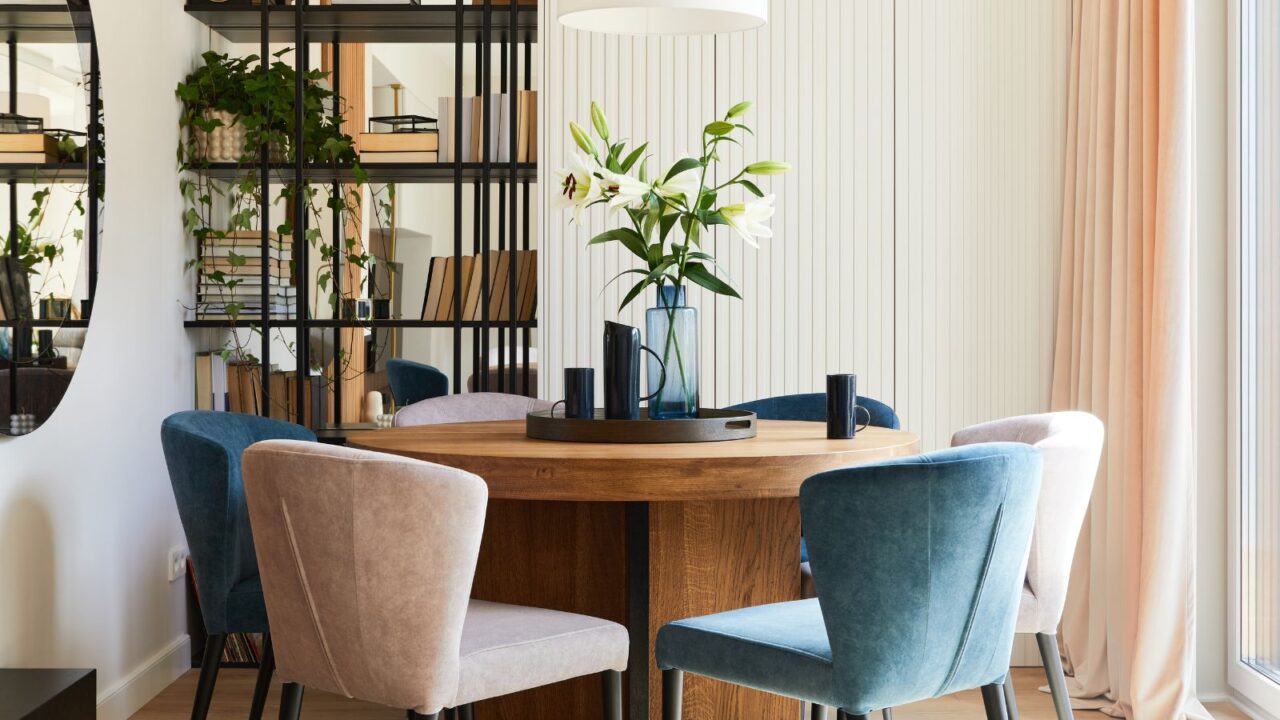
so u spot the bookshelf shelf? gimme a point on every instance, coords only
(287, 323)
(441, 173)
(32, 23)
(45, 323)
(372, 23)
(43, 174)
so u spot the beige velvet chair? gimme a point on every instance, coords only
(468, 407)
(367, 561)
(1071, 444)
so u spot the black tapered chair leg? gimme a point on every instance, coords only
(1010, 700)
(266, 668)
(817, 712)
(611, 686)
(672, 694)
(886, 714)
(993, 701)
(842, 715)
(411, 715)
(290, 701)
(213, 646)
(466, 712)
(1053, 670)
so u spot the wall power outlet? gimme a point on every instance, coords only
(178, 562)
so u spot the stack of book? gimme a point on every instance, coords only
(473, 139)
(439, 302)
(399, 147)
(238, 256)
(23, 148)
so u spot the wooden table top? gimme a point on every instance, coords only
(772, 464)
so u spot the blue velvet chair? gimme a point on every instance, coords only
(813, 407)
(202, 450)
(412, 381)
(919, 564)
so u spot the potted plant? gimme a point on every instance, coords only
(655, 206)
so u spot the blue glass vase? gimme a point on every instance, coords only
(671, 330)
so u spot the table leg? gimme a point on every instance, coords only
(640, 662)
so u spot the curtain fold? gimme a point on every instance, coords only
(1123, 351)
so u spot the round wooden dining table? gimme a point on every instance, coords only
(642, 535)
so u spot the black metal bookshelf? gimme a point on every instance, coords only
(70, 22)
(478, 27)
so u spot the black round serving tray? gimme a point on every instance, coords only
(710, 426)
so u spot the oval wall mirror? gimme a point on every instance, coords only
(51, 190)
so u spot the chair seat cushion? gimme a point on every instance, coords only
(509, 648)
(780, 648)
(246, 611)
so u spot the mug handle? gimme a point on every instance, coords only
(856, 408)
(662, 382)
(561, 402)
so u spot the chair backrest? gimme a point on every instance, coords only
(367, 561)
(202, 450)
(1071, 444)
(813, 407)
(918, 563)
(413, 382)
(468, 407)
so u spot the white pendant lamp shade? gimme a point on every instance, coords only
(663, 17)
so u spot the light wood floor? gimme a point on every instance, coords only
(235, 687)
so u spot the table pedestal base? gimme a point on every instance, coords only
(643, 565)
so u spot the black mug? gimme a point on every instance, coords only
(842, 406)
(579, 394)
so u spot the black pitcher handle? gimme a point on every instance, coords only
(662, 382)
(553, 407)
(864, 425)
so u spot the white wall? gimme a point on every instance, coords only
(86, 512)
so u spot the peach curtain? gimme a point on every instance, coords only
(1124, 352)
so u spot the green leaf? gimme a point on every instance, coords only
(633, 293)
(628, 237)
(751, 187)
(719, 127)
(739, 109)
(708, 199)
(631, 159)
(681, 166)
(668, 222)
(699, 273)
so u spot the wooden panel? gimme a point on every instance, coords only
(707, 557)
(563, 556)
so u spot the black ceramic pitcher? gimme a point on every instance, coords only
(622, 348)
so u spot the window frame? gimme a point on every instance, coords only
(1255, 688)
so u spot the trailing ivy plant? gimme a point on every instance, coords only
(263, 104)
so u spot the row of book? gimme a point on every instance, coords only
(235, 386)
(471, 135)
(442, 291)
(239, 258)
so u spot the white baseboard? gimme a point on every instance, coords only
(136, 689)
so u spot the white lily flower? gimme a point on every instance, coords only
(747, 219)
(578, 187)
(622, 190)
(685, 183)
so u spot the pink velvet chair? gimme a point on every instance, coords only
(367, 562)
(1071, 444)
